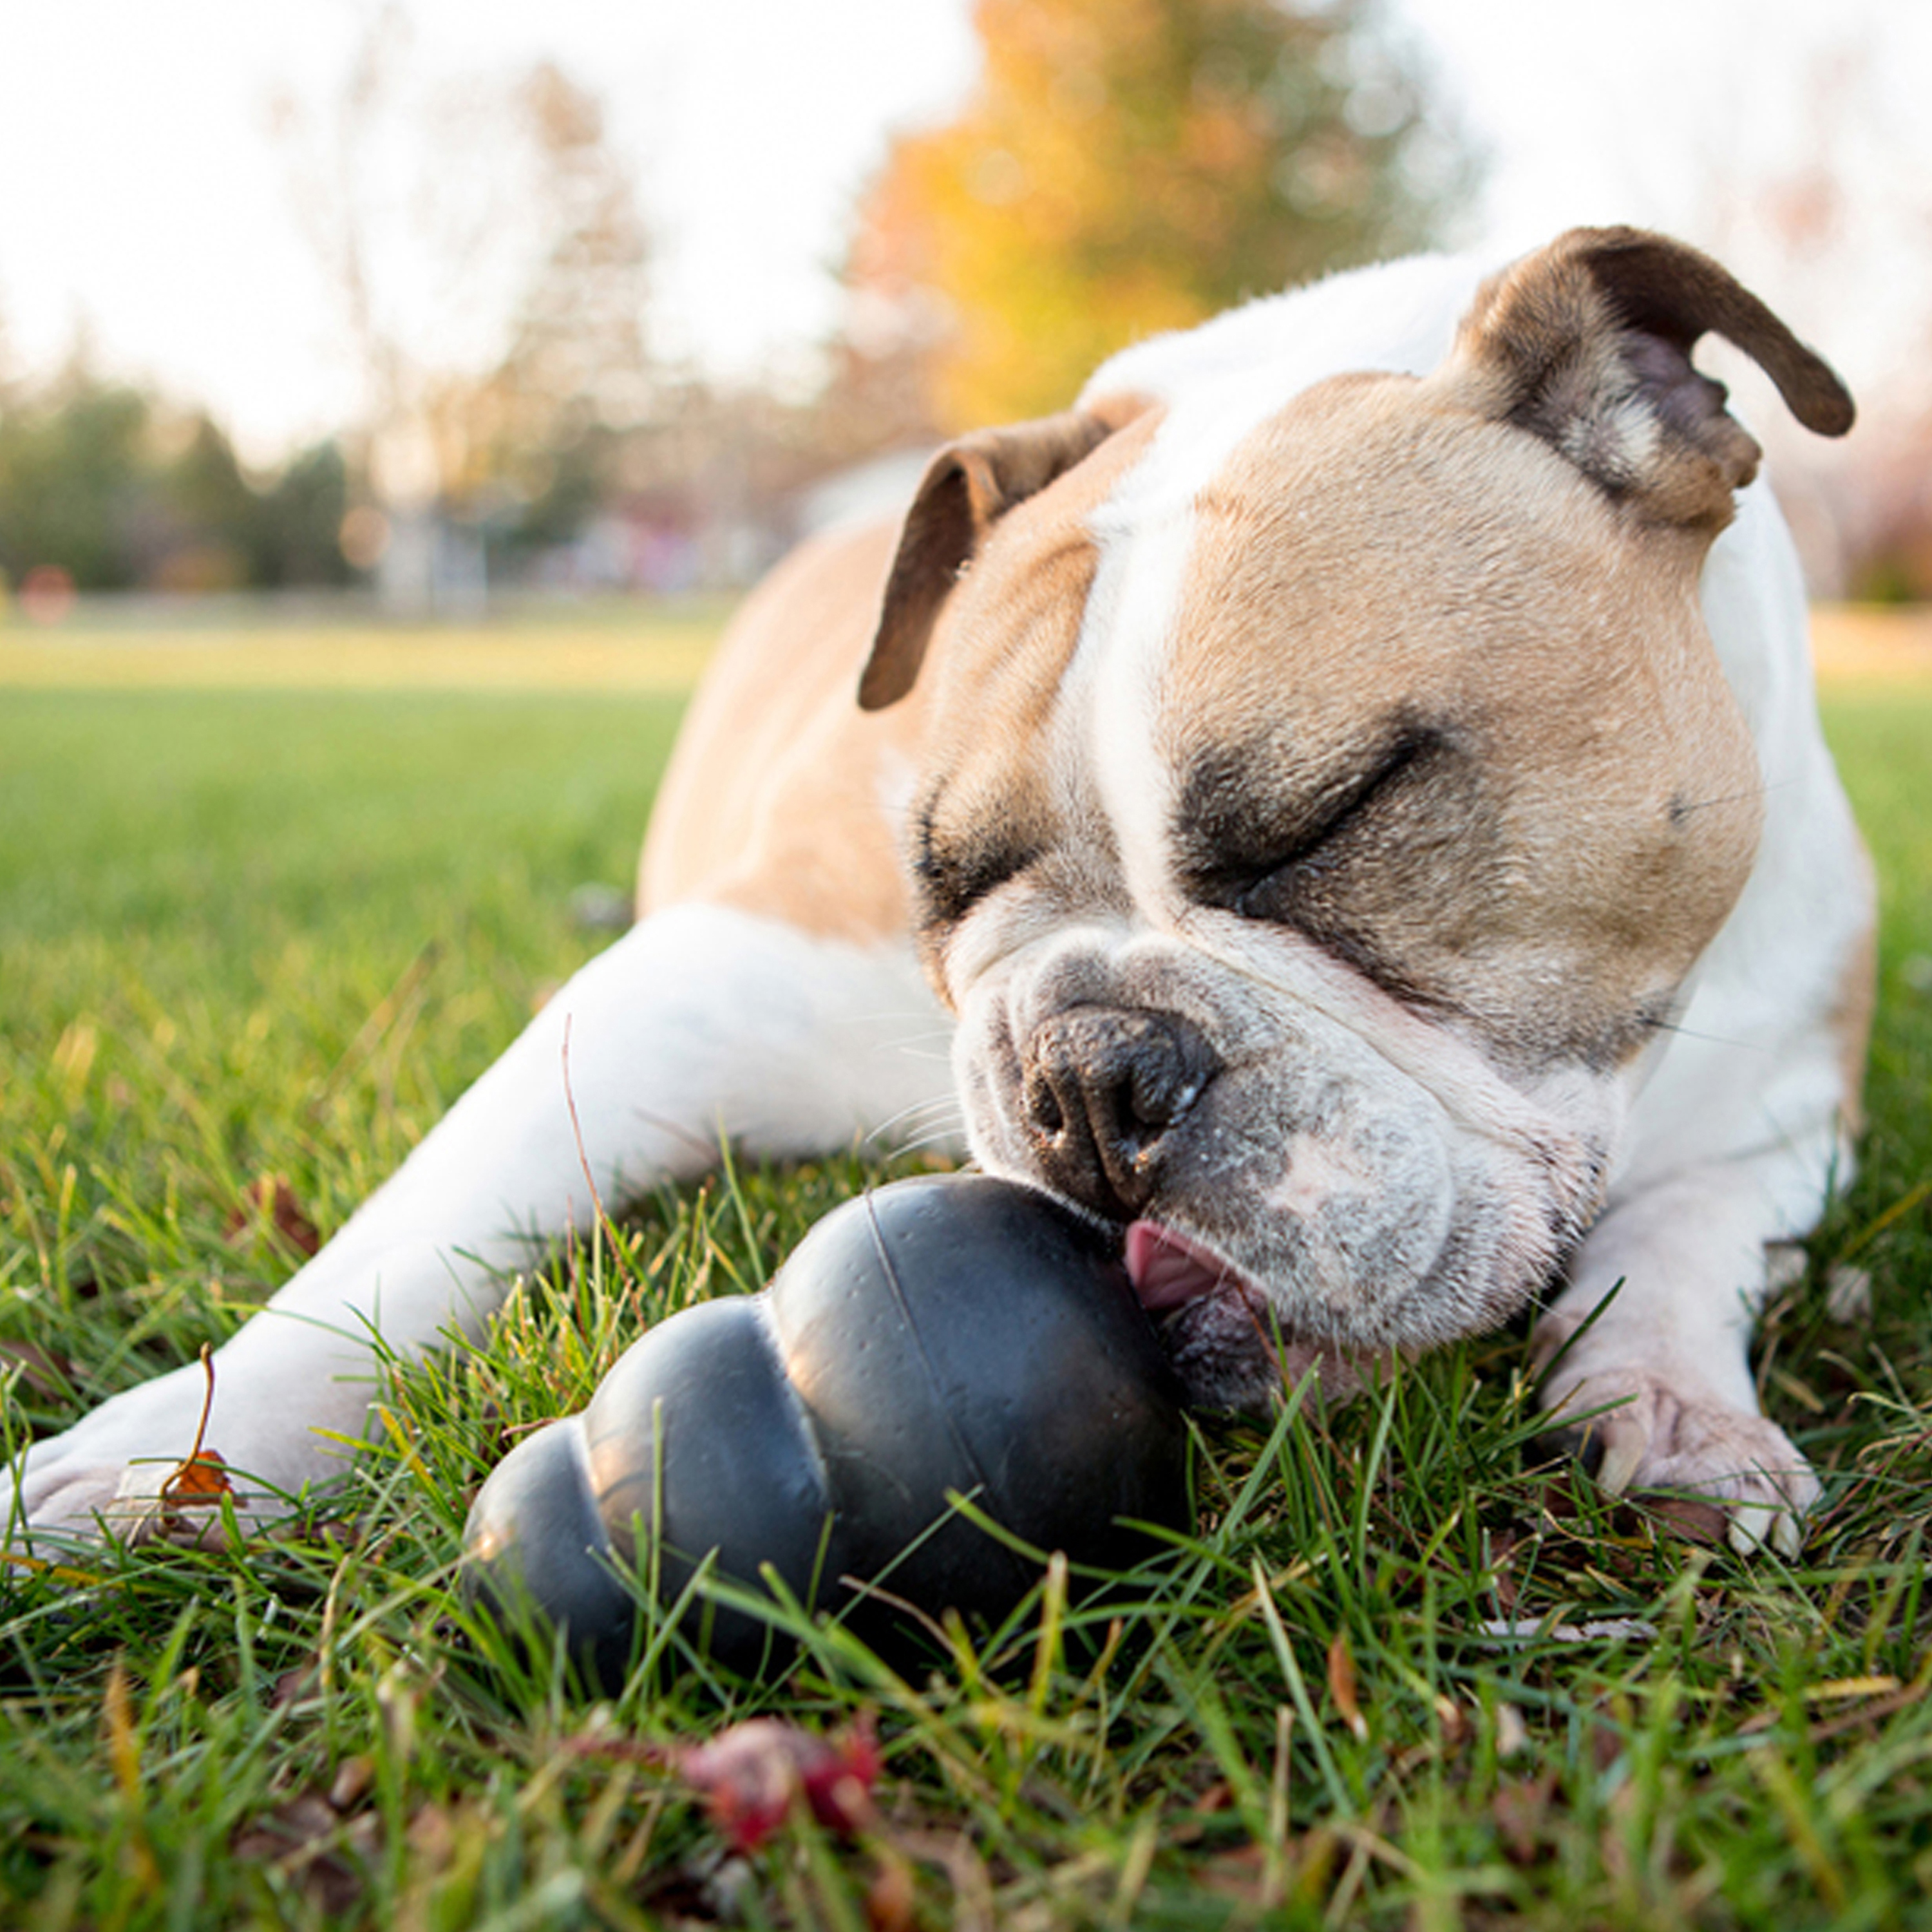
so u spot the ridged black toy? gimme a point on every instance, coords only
(957, 1334)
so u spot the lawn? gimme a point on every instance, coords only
(271, 932)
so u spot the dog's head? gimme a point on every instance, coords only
(1313, 836)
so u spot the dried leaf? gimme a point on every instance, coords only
(270, 1203)
(1342, 1686)
(309, 1843)
(46, 1374)
(1520, 1809)
(199, 1482)
(353, 1778)
(890, 1899)
(201, 1479)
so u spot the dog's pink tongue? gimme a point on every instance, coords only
(1168, 1270)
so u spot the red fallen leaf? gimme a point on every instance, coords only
(752, 1774)
(271, 1199)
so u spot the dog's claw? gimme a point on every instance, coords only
(1658, 1436)
(1623, 1455)
(1752, 1525)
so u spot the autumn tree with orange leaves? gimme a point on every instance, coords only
(1129, 165)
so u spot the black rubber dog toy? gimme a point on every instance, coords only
(959, 1334)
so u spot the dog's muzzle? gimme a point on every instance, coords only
(1104, 1090)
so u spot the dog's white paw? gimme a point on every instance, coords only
(1648, 1431)
(119, 1470)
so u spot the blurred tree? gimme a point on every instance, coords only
(120, 491)
(1130, 166)
(293, 534)
(68, 453)
(486, 246)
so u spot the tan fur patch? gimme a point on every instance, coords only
(1584, 806)
(781, 797)
(775, 800)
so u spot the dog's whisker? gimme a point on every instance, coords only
(944, 1136)
(1711, 1038)
(922, 1121)
(933, 1112)
(1684, 810)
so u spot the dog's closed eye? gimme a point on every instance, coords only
(954, 873)
(1261, 874)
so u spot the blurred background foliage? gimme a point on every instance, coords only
(1127, 166)
(1118, 168)
(1123, 167)
(109, 483)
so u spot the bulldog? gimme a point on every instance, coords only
(1352, 788)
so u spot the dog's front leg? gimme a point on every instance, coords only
(1646, 1354)
(702, 1024)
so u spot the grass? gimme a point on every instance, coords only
(246, 934)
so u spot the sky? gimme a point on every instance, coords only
(156, 157)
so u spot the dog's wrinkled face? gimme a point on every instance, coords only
(1311, 849)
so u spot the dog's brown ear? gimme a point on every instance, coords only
(1587, 343)
(967, 488)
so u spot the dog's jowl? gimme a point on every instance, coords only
(1352, 784)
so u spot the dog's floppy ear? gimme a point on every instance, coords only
(1587, 343)
(967, 488)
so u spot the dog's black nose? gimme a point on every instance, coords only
(1104, 1088)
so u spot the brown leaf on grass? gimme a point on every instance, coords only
(971, 1907)
(892, 1900)
(354, 1777)
(183, 1510)
(41, 1371)
(1689, 1517)
(1342, 1686)
(200, 1480)
(270, 1204)
(311, 1845)
(1519, 1810)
